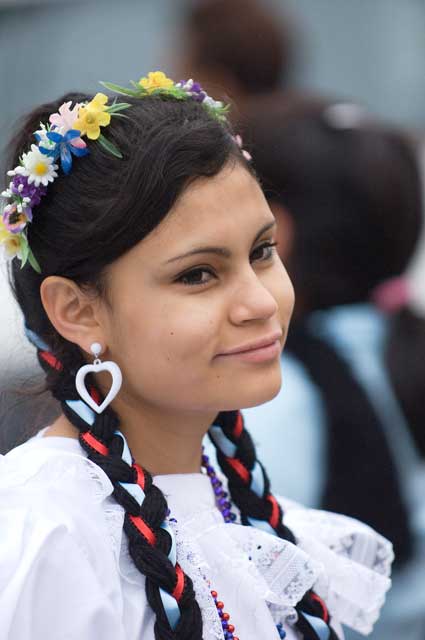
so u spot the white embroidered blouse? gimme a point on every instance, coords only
(65, 572)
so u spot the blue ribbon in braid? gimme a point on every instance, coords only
(35, 339)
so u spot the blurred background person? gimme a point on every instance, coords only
(346, 192)
(242, 48)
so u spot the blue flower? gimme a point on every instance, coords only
(65, 146)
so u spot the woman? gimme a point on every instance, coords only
(155, 255)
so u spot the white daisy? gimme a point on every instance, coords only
(39, 168)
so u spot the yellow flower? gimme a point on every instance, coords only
(10, 241)
(92, 116)
(156, 80)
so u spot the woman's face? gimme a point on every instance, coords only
(204, 283)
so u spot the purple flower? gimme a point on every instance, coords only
(199, 96)
(193, 89)
(21, 187)
(16, 220)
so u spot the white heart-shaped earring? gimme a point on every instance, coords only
(96, 367)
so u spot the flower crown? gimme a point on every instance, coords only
(62, 138)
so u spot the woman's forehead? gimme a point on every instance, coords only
(213, 209)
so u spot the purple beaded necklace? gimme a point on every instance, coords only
(224, 505)
(221, 496)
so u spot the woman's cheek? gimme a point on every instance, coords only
(184, 330)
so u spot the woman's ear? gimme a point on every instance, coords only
(285, 230)
(72, 311)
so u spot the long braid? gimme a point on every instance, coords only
(150, 540)
(249, 487)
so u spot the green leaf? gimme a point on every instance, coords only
(118, 106)
(33, 262)
(121, 90)
(221, 113)
(180, 93)
(141, 90)
(174, 92)
(109, 146)
(24, 250)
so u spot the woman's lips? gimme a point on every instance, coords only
(261, 351)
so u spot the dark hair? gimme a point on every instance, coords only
(244, 39)
(87, 220)
(353, 192)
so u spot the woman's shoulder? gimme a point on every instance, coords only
(55, 550)
(53, 465)
(49, 483)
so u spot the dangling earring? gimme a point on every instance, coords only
(97, 366)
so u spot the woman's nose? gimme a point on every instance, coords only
(252, 300)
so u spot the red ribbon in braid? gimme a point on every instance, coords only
(144, 529)
(94, 443)
(179, 588)
(140, 475)
(322, 604)
(238, 428)
(239, 468)
(275, 515)
(95, 395)
(50, 359)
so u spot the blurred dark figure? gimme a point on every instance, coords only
(346, 193)
(239, 47)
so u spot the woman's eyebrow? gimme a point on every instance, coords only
(220, 251)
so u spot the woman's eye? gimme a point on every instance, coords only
(196, 277)
(263, 252)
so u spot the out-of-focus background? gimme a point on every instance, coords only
(369, 52)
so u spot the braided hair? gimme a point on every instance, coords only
(249, 488)
(166, 144)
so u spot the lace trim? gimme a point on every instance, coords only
(196, 567)
(356, 564)
(286, 570)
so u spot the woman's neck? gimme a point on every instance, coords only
(165, 442)
(161, 442)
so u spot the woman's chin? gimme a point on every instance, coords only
(255, 393)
